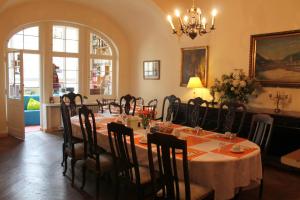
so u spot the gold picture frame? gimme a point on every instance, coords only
(194, 62)
(275, 59)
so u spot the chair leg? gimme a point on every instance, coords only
(66, 164)
(83, 176)
(117, 186)
(97, 185)
(63, 152)
(261, 188)
(73, 162)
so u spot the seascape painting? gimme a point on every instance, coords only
(275, 59)
(194, 63)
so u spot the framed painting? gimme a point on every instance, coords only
(275, 59)
(151, 70)
(194, 63)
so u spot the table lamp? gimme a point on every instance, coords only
(194, 82)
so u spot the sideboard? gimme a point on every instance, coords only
(286, 128)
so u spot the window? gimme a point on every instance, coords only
(65, 39)
(100, 66)
(65, 75)
(65, 59)
(26, 39)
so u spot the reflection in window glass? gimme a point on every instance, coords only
(98, 46)
(65, 39)
(65, 75)
(25, 39)
(101, 77)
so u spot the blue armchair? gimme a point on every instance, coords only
(31, 117)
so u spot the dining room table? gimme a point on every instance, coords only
(224, 164)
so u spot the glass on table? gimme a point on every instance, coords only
(198, 130)
(222, 146)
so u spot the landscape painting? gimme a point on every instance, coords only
(194, 63)
(275, 59)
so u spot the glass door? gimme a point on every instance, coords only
(15, 97)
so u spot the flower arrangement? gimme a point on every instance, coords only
(146, 116)
(235, 86)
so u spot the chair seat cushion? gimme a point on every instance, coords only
(78, 151)
(106, 163)
(197, 191)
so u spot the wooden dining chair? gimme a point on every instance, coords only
(70, 99)
(166, 148)
(172, 109)
(96, 159)
(72, 147)
(140, 101)
(115, 108)
(122, 145)
(260, 133)
(128, 104)
(231, 116)
(100, 106)
(196, 112)
(153, 102)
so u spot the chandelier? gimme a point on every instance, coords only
(193, 22)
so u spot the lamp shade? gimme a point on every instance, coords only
(194, 82)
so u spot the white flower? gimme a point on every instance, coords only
(235, 83)
(232, 88)
(243, 84)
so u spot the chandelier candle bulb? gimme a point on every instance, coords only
(214, 14)
(204, 23)
(169, 18)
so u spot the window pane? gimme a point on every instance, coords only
(32, 31)
(25, 39)
(72, 33)
(31, 42)
(71, 63)
(65, 75)
(58, 32)
(31, 70)
(58, 45)
(99, 46)
(16, 42)
(101, 77)
(71, 46)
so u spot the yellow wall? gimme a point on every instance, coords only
(15, 17)
(229, 45)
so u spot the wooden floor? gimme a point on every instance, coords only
(31, 170)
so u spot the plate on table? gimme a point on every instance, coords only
(143, 140)
(241, 150)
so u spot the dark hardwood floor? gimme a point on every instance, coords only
(31, 170)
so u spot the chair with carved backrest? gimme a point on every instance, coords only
(70, 100)
(100, 106)
(72, 147)
(260, 133)
(122, 145)
(165, 148)
(140, 101)
(172, 109)
(96, 159)
(195, 115)
(231, 116)
(128, 104)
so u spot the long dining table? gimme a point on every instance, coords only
(212, 161)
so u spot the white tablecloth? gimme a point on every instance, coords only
(208, 165)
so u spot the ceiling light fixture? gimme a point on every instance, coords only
(193, 22)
